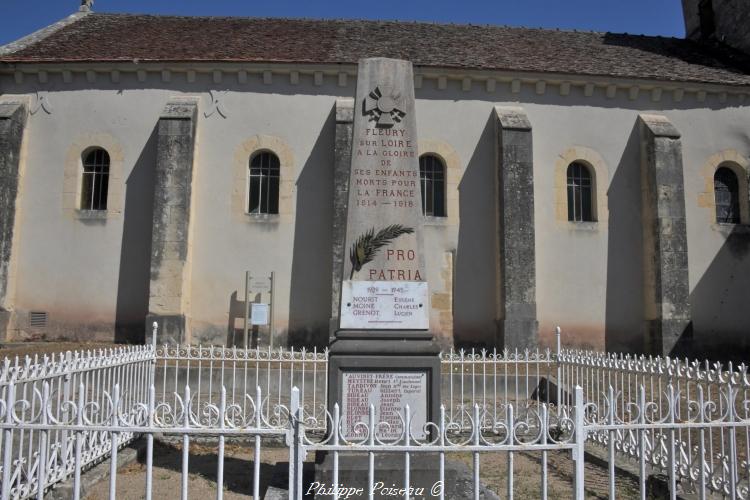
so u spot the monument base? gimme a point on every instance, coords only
(424, 477)
(390, 353)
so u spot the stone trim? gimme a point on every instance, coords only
(241, 169)
(453, 172)
(170, 241)
(491, 81)
(668, 326)
(13, 118)
(73, 175)
(342, 154)
(600, 173)
(517, 322)
(441, 302)
(740, 165)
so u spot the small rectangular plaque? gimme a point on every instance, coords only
(259, 285)
(384, 305)
(259, 314)
(389, 392)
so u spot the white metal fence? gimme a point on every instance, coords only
(49, 387)
(61, 414)
(276, 371)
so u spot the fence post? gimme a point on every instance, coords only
(66, 397)
(731, 409)
(580, 441)
(41, 471)
(294, 442)
(671, 458)
(154, 332)
(8, 441)
(559, 367)
(150, 441)
(611, 440)
(115, 423)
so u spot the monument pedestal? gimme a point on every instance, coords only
(395, 355)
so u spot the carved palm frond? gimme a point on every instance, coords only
(367, 245)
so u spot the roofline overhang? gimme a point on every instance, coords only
(490, 77)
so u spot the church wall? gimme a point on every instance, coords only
(719, 253)
(72, 265)
(589, 275)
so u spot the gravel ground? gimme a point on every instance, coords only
(238, 474)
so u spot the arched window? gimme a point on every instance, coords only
(432, 183)
(95, 180)
(727, 193)
(263, 184)
(579, 193)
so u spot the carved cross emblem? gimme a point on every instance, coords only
(383, 105)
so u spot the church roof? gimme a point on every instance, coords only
(146, 38)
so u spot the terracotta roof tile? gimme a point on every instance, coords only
(125, 37)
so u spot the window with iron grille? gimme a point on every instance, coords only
(95, 180)
(579, 193)
(432, 183)
(726, 191)
(263, 184)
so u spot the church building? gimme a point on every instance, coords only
(595, 181)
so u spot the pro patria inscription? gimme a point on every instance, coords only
(384, 216)
(389, 393)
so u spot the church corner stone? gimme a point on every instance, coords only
(517, 320)
(171, 220)
(668, 326)
(12, 124)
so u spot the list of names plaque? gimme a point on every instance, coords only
(384, 305)
(389, 392)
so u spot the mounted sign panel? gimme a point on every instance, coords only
(259, 314)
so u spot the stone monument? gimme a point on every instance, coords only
(383, 352)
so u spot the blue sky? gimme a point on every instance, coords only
(652, 17)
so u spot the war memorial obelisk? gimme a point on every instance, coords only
(383, 352)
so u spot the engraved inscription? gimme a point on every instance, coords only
(389, 392)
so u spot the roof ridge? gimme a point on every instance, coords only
(114, 37)
(41, 34)
(360, 20)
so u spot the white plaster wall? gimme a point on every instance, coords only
(66, 266)
(588, 277)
